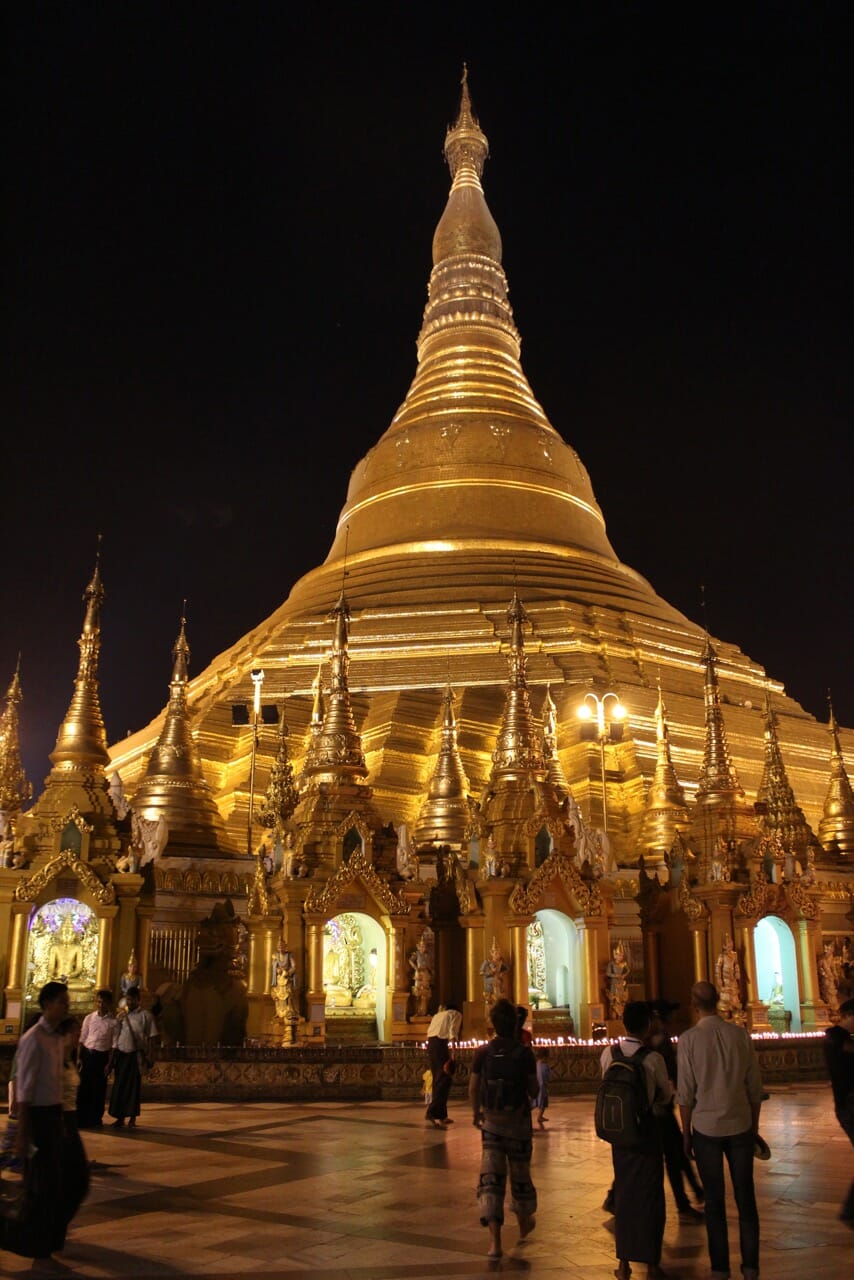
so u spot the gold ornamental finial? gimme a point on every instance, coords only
(281, 797)
(82, 738)
(554, 768)
(717, 775)
(174, 786)
(780, 814)
(466, 226)
(444, 815)
(836, 828)
(666, 813)
(15, 789)
(337, 745)
(517, 747)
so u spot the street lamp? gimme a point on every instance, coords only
(240, 716)
(602, 724)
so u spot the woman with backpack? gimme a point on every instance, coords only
(624, 1117)
(502, 1083)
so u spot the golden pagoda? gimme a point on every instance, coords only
(476, 557)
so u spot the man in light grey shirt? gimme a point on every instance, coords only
(719, 1093)
(38, 1088)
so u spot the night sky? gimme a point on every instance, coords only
(218, 221)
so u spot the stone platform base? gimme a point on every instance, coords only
(388, 1072)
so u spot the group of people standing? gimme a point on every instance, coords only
(715, 1081)
(58, 1086)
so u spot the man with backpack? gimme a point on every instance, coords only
(635, 1084)
(502, 1082)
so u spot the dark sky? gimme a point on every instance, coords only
(218, 222)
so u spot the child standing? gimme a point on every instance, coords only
(544, 1073)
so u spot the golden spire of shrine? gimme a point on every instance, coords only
(82, 739)
(519, 793)
(722, 820)
(338, 746)
(15, 789)
(554, 769)
(779, 812)
(666, 812)
(718, 777)
(518, 748)
(836, 828)
(445, 812)
(281, 796)
(173, 785)
(470, 450)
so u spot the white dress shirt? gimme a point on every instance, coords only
(38, 1072)
(97, 1032)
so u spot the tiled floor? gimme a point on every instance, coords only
(334, 1192)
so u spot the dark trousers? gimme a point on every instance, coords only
(92, 1090)
(39, 1228)
(676, 1163)
(710, 1153)
(845, 1116)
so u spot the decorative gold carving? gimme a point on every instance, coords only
(323, 900)
(29, 887)
(73, 815)
(694, 909)
(754, 902)
(524, 900)
(802, 900)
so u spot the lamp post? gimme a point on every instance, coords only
(602, 724)
(240, 716)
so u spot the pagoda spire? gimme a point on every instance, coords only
(722, 822)
(666, 812)
(82, 739)
(519, 794)
(718, 777)
(338, 746)
(281, 796)
(775, 799)
(332, 788)
(517, 748)
(173, 785)
(469, 415)
(554, 769)
(15, 789)
(836, 828)
(445, 813)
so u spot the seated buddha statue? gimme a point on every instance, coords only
(65, 958)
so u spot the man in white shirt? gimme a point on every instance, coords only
(719, 1094)
(93, 1057)
(639, 1209)
(132, 1036)
(38, 1087)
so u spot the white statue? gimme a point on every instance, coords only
(148, 836)
(118, 797)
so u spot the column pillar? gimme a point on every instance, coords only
(699, 935)
(106, 929)
(14, 992)
(814, 1013)
(315, 996)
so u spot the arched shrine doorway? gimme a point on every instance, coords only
(554, 968)
(777, 973)
(62, 946)
(355, 967)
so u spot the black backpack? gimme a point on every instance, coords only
(623, 1109)
(504, 1077)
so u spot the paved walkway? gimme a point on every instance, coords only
(367, 1192)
